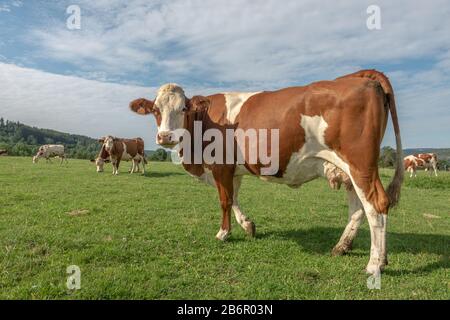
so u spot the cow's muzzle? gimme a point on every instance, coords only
(166, 139)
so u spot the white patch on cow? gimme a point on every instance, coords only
(243, 221)
(234, 102)
(125, 155)
(207, 177)
(308, 163)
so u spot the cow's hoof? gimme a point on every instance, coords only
(250, 228)
(341, 249)
(375, 268)
(222, 235)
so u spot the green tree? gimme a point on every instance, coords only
(159, 155)
(387, 157)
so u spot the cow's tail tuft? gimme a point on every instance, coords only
(393, 190)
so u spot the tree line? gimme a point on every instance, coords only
(19, 139)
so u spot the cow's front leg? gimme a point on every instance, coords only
(223, 177)
(355, 217)
(133, 166)
(246, 224)
(117, 166)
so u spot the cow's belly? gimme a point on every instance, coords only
(126, 157)
(299, 171)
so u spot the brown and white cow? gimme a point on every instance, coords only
(49, 151)
(328, 128)
(422, 160)
(103, 157)
(119, 150)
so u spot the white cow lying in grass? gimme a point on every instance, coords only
(50, 151)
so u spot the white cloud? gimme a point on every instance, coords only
(268, 43)
(234, 45)
(72, 104)
(4, 8)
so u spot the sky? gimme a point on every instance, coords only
(81, 80)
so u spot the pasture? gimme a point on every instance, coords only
(152, 237)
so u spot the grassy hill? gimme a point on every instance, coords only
(152, 237)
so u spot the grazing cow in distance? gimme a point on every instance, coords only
(122, 149)
(422, 160)
(49, 151)
(328, 128)
(102, 158)
(3, 152)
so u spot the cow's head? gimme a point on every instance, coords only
(38, 155)
(169, 109)
(108, 142)
(100, 162)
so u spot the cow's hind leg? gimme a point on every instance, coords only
(355, 216)
(375, 202)
(246, 224)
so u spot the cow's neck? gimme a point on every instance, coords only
(189, 119)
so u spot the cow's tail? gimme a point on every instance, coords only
(393, 190)
(140, 141)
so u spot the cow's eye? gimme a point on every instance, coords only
(184, 109)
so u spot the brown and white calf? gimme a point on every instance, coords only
(50, 151)
(119, 150)
(328, 128)
(422, 160)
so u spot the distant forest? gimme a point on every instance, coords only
(19, 139)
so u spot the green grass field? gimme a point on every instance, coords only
(152, 237)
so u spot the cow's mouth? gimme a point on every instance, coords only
(170, 145)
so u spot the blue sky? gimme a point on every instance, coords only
(81, 81)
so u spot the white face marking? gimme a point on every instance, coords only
(234, 102)
(109, 142)
(99, 162)
(170, 101)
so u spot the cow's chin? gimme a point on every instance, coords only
(168, 145)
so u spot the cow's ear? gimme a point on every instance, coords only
(92, 160)
(197, 103)
(101, 140)
(142, 106)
